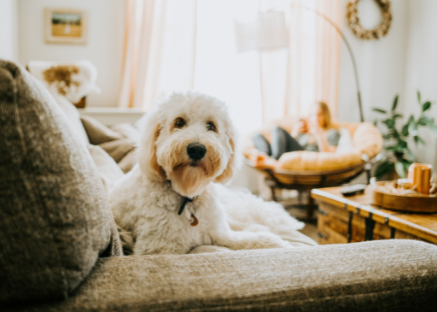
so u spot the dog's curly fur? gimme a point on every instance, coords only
(146, 201)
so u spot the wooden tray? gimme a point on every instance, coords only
(410, 203)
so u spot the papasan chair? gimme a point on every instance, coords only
(304, 170)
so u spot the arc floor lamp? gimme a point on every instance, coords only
(351, 53)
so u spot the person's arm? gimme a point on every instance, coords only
(298, 128)
(322, 143)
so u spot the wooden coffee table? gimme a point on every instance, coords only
(353, 219)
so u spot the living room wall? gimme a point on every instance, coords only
(8, 30)
(381, 63)
(421, 69)
(104, 47)
(402, 62)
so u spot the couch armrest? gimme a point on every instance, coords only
(392, 275)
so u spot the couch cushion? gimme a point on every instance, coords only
(97, 132)
(55, 218)
(73, 117)
(119, 141)
(106, 166)
(395, 275)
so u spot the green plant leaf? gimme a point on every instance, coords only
(398, 116)
(428, 120)
(422, 121)
(418, 140)
(383, 168)
(412, 129)
(410, 153)
(399, 167)
(375, 123)
(391, 148)
(418, 97)
(395, 149)
(378, 110)
(395, 103)
(401, 144)
(390, 123)
(426, 106)
(412, 126)
(405, 130)
(406, 164)
(433, 127)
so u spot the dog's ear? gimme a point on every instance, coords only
(233, 162)
(147, 151)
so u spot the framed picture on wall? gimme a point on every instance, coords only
(65, 26)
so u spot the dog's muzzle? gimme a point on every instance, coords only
(196, 151)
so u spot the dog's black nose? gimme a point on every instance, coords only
(196, 151)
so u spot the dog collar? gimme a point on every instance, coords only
(185, 200)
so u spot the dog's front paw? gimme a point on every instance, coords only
(267, 240)
(277, 242)
(251, 240)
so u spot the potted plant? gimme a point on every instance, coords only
(396, 153)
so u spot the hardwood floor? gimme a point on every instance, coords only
(297, 209)
(310, 230)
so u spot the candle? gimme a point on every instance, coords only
(419, 175)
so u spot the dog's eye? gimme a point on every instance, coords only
(210, 126)
(179, 123)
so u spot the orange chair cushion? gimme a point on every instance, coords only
(366, 139)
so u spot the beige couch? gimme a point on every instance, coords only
(59, 249)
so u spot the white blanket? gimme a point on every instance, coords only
(247, 212)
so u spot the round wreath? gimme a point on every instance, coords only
(354, 22)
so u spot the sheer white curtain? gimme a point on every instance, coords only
(159, 50)
(307, 71)
(220, 71)
(188, 44)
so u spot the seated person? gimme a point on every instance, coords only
(318, 136)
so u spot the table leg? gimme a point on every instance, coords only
(273, 193)
(310, 208)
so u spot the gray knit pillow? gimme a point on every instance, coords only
(55, 218)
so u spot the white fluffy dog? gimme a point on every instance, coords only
(168, 201)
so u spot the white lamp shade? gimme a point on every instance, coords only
(267, 32)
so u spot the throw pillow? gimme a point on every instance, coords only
(107, 167)
(55, 219)
(73, 117)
